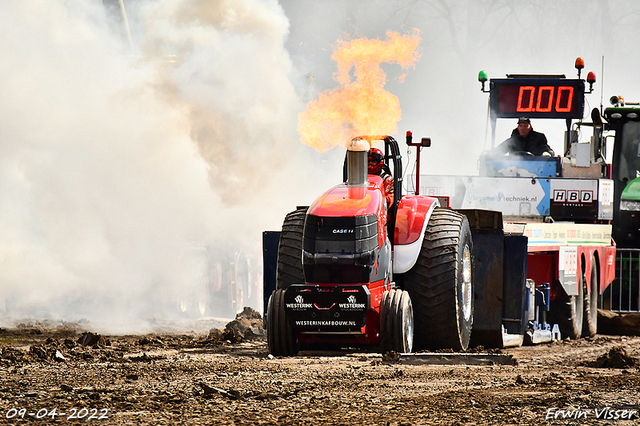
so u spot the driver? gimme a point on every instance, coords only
(525, 139)
(377, 167)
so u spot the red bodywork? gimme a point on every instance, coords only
(412, 215)
(344, 201)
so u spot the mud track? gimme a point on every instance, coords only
(227, 377)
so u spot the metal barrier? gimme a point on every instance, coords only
(623, 294)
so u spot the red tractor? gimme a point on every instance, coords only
(355, 271)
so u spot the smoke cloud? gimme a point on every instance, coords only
(111, 158)
(231, 76)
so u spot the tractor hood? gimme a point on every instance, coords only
(344, 238)
(348, 201)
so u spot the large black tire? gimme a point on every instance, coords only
(396, 322)
(568, 312)
(441, 283)
(590, 316)
(289, 269)
(281, 339)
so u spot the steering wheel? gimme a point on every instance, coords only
(519, 154)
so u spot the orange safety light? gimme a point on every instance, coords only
(579, 65)
(591, 78)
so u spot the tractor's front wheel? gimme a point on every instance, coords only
(441, 283)
(396, 322)
(281, 339)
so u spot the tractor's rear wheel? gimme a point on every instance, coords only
(590, 316)
(281, 339)
(396, 322)
(441, 283)
(568, 313)
(289, 269)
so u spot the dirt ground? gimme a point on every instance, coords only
(222, 374)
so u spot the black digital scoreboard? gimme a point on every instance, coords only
(537, 97)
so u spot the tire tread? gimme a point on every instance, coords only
(432, 283)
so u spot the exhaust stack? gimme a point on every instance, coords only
(357, 162)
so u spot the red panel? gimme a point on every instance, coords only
(606, 256)
(607, 267)
(542, 267)
(586, 254)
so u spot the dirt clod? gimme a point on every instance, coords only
(93, 339)
(617, 357)
(247, 325)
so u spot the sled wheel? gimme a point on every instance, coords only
(441, 283)
(590, 318)
(396, 322)
(567, 313)
(281, 339)
(289, 269)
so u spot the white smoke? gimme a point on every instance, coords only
(110, 159)
(231, 73)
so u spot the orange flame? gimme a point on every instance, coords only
(362, 106)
